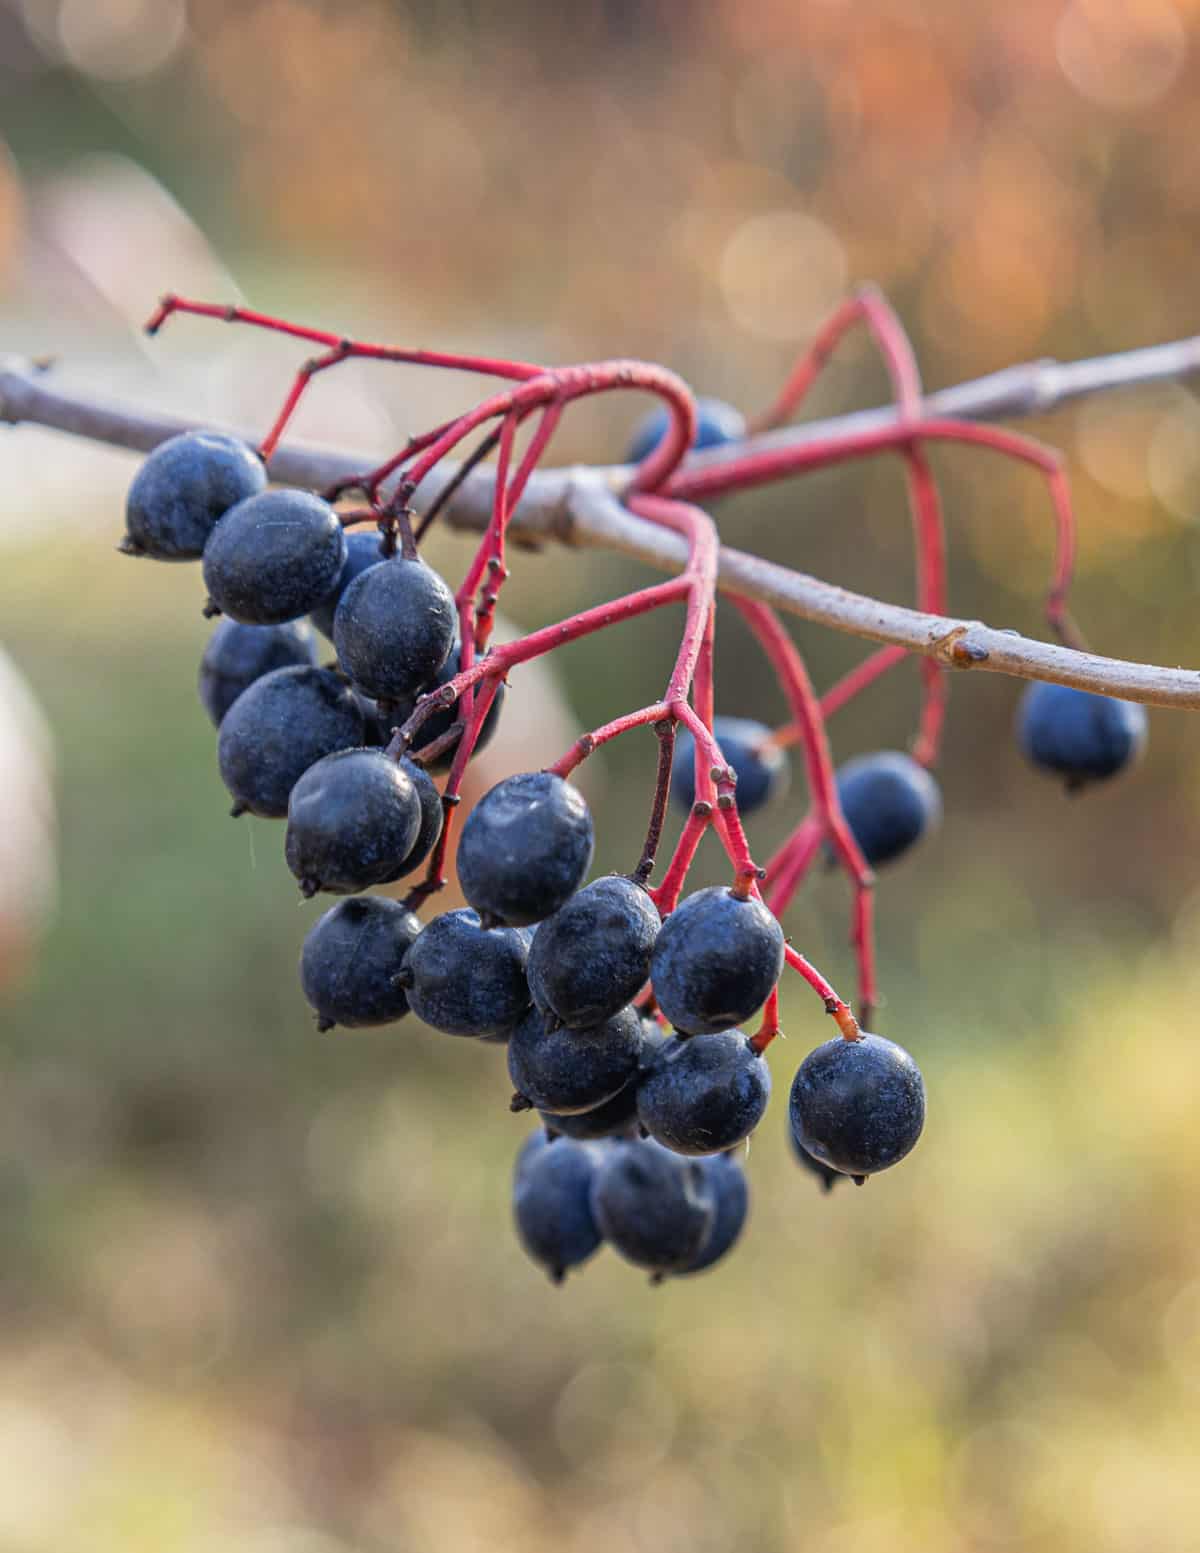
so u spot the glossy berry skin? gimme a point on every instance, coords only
(732, 1193)
(182, 491)
(704, 1094)
(617, 1116)
(889, 802)
(827, 1177)
(274, 557)
(552, 1207)
(655, 1208)
(237, 655)
(465, 980)
(442, 720)
(1079, 736)
(762, 770)
(353, 819)
(284, 723)
(716, 422)
(350, 961)
(394, 628)
(363, 549)
(858, 1106)
(593, 955)
(563, 1070)
(715, 961)
(525, 848)
(432, 816)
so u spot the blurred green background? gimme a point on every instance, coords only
(259, 1287)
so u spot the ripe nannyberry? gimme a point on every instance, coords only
(618, 1115)
(732, 1193)
(1079, 736)
(432, 818)
(363, 549)
(760, 767)
(284, 723)
(351, 959)
(182, 491)
(525, 848)
(552, 1205)
(465, 980)
(858, 1106)
(593, 955)
(394, 627)
(237, 655)
(564, 1070)
(704, 1094)
(273, 557)
(353, 819)
(716, 960)
(655, 1208)
(889, 802)
(716, 422)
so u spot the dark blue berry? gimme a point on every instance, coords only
(525, 848)
(716, 422)
(533, 1145)
(353, 819)
(182, 490)
(1079, 736)
(237, 655)
(618, 1115)
(284, 723)
(716, 961)
(593, 955)
(732, 1193)
(564, 1070)
(704, 1094)
(552, 1206)
(363, 549)
(610, 1120)
(465, 980)
(351, 960)
(858, 1106)
(655, 1208)
(273, 557)
(440, 723)
(889, 802)
(394, 628)
(827, 1177)
(432, 818)
(761, 769)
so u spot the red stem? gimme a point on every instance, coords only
(834, 1005)
(870, 307)
(787, 869)
(784, 656)
(767, 465)
(769, 1028)
(666, 896)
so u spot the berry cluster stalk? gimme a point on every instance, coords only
(663, 492)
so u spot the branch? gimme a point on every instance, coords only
(582, 506)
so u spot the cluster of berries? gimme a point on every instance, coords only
(623, 1025)
(540, 960)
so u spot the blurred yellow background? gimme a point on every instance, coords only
(260, 1290)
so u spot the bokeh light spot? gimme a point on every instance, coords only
(1121, 56)
(121, 40)
(780, 272)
